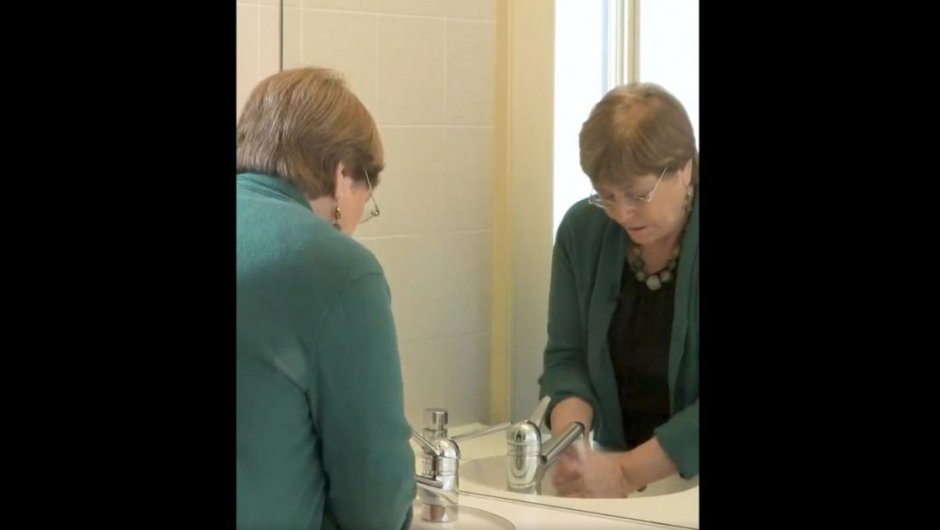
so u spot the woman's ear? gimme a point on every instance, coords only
(338, 180)
(686, 173)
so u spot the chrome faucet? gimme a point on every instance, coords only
(527, 458)
(438, 482)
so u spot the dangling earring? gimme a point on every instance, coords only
(687, 205)
(336, 217)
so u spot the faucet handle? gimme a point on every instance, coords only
(538, 415)
(428, 447)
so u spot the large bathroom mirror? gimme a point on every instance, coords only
(479, 103)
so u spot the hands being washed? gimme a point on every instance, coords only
(583, 472)
(566, 473)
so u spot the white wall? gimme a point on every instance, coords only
(668, 49)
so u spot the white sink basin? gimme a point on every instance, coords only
(490, 472)
(468, 518)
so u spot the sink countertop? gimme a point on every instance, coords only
(532, 517)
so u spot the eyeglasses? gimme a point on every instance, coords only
(635, 200)
(369, 215)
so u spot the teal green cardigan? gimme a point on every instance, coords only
(587, 263)
(321, 435)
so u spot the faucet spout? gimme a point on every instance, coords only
(553, 449)
(428, 483)
(441, 504)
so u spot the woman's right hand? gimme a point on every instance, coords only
(566, 473)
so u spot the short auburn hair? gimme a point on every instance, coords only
(636, 129)
(299, 124)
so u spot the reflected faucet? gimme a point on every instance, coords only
(527, 458)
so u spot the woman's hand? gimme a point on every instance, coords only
(590, 473)
(620, 474)
(566, 473)
(602, 476)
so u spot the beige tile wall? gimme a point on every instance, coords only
(257, 44)
(425, 68)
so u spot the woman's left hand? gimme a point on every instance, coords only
(602, 476)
